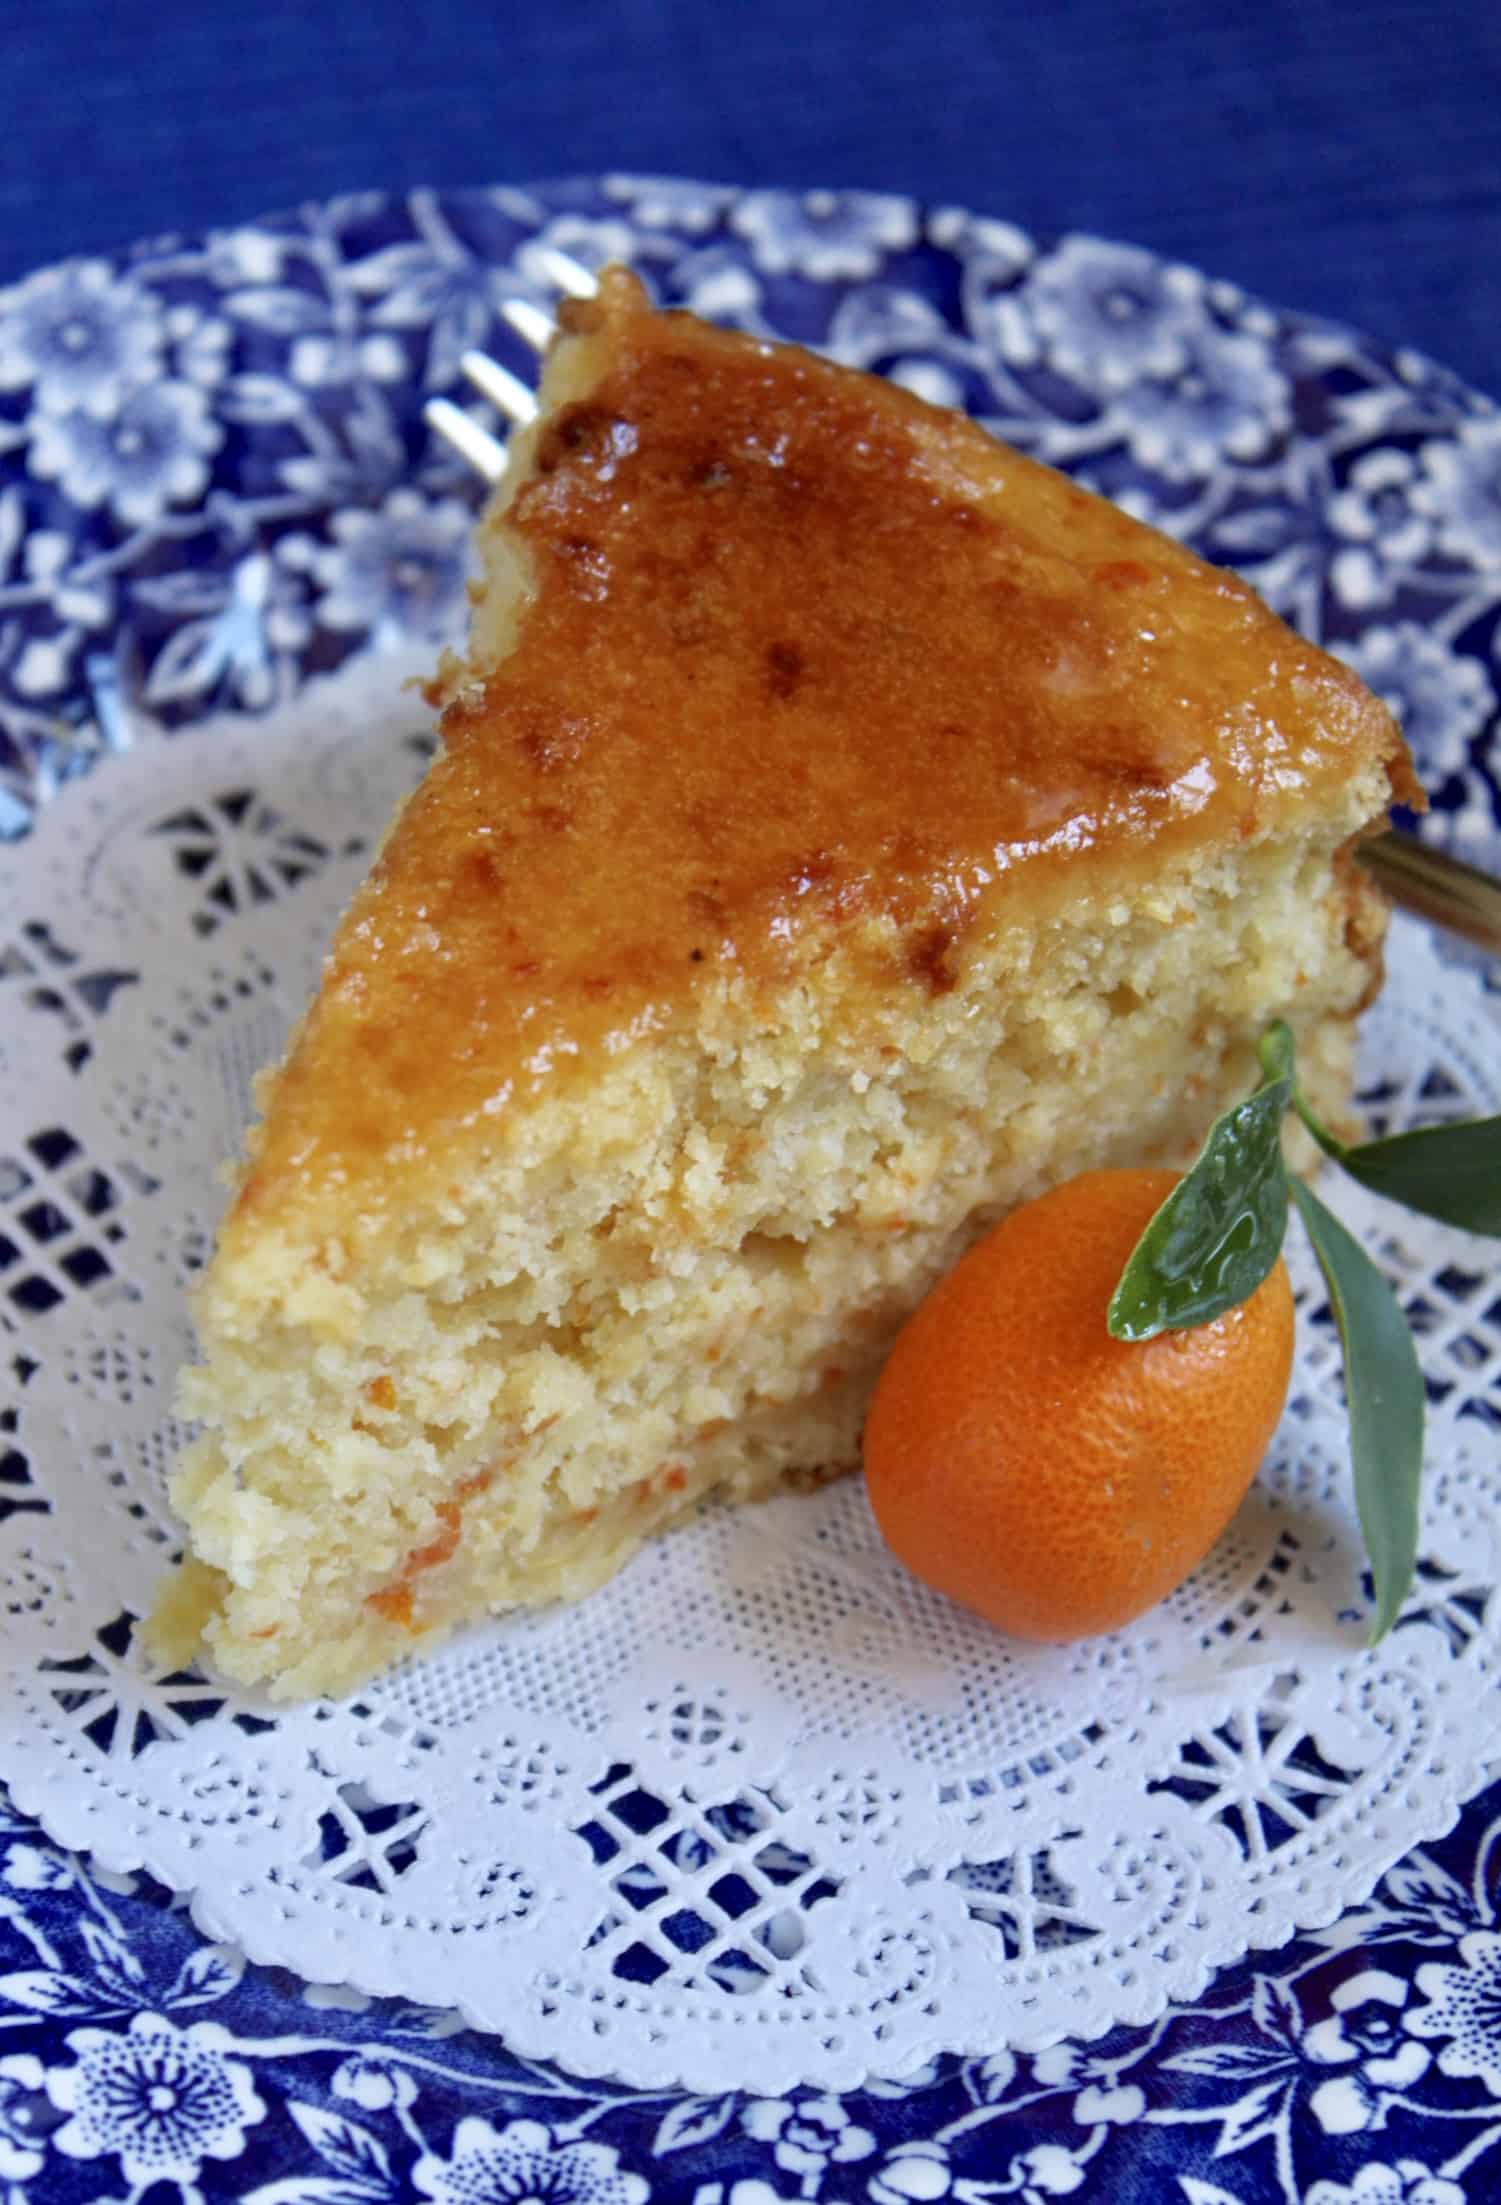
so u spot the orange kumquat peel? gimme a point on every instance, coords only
(1055, 1480)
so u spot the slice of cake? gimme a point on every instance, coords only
(843, 829)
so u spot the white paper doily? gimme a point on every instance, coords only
(764, 1811)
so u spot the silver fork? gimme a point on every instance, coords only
(1417, 876)
(505, 391)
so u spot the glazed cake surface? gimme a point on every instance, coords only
(843, 828)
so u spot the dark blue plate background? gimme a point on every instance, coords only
(215, 482)
(1342, 158)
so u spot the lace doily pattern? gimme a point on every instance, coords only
(764, 1811)
(1361, 2066)
(764, 1814)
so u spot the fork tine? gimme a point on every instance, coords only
(530, 323)
(500, 386)
(483, 452)
(567, 273)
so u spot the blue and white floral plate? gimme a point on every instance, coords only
(215, 483)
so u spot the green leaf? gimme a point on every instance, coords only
(1451, 1172)
(1384, 1387)
(1218, 1233)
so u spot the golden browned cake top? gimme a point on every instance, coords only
(800, 653)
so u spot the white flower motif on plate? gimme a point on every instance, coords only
(159, 2098)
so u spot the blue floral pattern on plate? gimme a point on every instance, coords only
(215, 482)
(1361, 2066)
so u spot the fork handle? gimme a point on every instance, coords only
(1420, 878)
